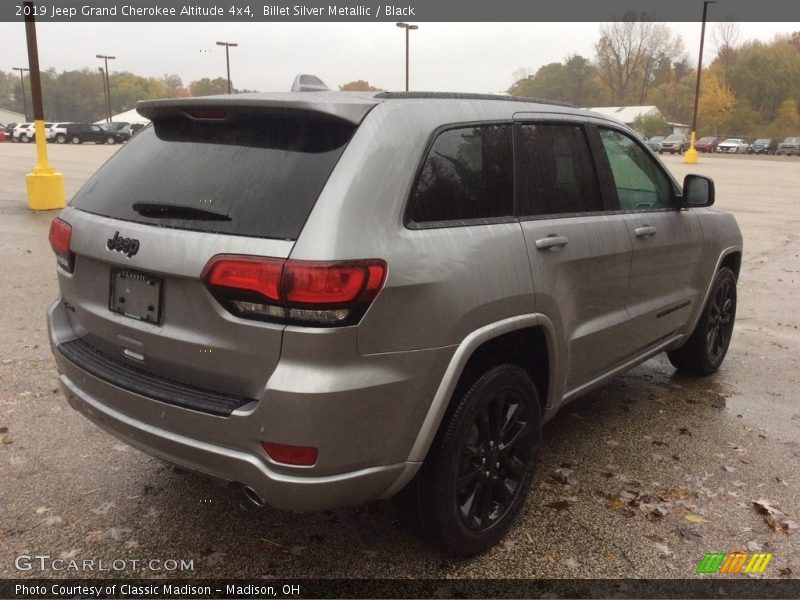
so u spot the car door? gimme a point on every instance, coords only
(667, 240)
(579, 254)
(96, 133)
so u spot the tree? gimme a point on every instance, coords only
(127, 89)
(173, 86)
(572, 81)
(209, 87)
(359, 86)
(651, 125)
(787, 121)
(764, 75)
(716, 104)
(629, 52)
(725, 36)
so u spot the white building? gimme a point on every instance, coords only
(628, 114)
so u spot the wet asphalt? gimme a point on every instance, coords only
(638, 479)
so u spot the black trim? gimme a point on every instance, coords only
(129, 378)
(466, 96)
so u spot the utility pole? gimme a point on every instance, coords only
(408, 28)
(228, 59)
(691, 154)
(45, 184)
(108, 86)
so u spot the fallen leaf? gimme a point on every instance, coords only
(729, 469)
(559, 505)
(684, 431)
(783, 526)
(54, 520)
(663, 548)
(675, 493)
(695, 519)
(765, 507)
(786, 572)
(753, 546)
(571, 563)
(689, 534)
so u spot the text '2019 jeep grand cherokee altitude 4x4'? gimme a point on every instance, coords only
(330, 298)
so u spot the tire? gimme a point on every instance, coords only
(75, 139)
(24, 138)
(110, 140)
(471, 487)
(705, 349)
(61, 138)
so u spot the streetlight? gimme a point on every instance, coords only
(108, 86)
(228, 59)
(105, 88)
(22, 82)
(408, 28)
(691, 153)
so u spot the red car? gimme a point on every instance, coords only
(707, 144)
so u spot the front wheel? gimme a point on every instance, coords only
(480, 467)
(705, 349)
(75, 139)
(110, 140)
(61, 138)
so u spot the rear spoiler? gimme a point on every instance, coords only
(337, 105)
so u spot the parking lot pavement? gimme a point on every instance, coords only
(638, 479)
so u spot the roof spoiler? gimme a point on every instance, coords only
(309, 83)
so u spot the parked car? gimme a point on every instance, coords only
(23, 133)
(791, 145)
(10, 129)
(78, 133)
(675, 143)
(26, 132)
(272, 306)
(2, 133)
(707, 143)
(655, 142)
(120, 128)
(763, 146)
(732, 146)
(58, 132)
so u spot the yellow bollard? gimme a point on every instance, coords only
(691, 154)
(45, 184)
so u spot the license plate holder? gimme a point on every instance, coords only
(135, 295)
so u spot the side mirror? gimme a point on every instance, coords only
(698, 191)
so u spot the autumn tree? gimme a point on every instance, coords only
(650, 125)
(359, 86)
(716, 104)
(573, 81)
(209, 87)
(725, 37)
(630, 52)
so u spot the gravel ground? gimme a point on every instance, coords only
(638, 479)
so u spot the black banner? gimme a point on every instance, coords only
(395, 10)
(702, 587)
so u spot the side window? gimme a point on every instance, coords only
(555, 171)
(640, 184)
(468, 174)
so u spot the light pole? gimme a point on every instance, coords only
(228, 59)
(108, 85)
(408, 28)
(691, 153)
(22, 83)
(105, 89)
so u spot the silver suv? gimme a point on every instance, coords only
(329, 298)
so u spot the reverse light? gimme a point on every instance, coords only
(319, 293)
(60, 240)
(298, 456)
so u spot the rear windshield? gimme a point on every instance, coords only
(255, 175)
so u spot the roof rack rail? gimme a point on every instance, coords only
(466, 96)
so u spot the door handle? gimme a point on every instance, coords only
(552, 241)
(645, 231)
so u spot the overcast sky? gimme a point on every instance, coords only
(464, 57)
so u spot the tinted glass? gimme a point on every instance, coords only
(467, 175)
(257, 176)
(640, 184)
(555, 171)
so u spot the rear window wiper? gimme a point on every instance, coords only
(177, 211)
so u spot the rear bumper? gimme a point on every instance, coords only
(363, 416)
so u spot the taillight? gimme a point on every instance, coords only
(316, 293)
(60, 239)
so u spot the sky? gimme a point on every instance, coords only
(458, 57)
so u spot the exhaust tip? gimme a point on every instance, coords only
(252, 497)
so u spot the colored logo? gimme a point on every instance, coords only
(734, 563)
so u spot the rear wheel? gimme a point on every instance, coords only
(75, 139)
(61, 138)
(705, 350)
(24, 138)
(110, 140)
(480, 467)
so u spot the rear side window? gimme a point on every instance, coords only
(555, 171)
(467, 175)
(640, 184)
(257, 175)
